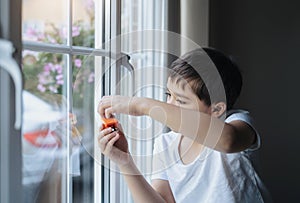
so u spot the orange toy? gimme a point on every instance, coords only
(110, 122)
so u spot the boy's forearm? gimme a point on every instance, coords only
(162, 112)
(178, 119)
(140, 189)
(201, 127)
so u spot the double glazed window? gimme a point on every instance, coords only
(74, 52)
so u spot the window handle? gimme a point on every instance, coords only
(8, 63)
(125, 62)
(122, 58)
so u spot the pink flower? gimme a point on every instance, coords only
(91, 78)
(77, 63)
(46, 74)
(89, 5)
(48, 67)
(41, 88)
(64, 33)
(58, 68)
(51, 39)
(75, 31)
(59, 82)
(45, 78)
(53, 89)
(31, 34)
(41, 36)
(59, 77)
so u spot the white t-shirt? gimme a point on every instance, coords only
(213, 177)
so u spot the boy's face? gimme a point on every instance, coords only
(183, 96)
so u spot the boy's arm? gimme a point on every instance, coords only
(113, 145)
(141, 190)
(164, 189)
(203, 128)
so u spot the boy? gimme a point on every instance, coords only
(204, 158)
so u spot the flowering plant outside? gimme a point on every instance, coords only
(47, 69)
(45, 72)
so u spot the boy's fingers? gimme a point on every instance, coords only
(101, 128)
(104, 132)
(104, 104)
(103, 142)
(111, 143)
(108, 112)
(101, 110)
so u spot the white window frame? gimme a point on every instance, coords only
(10, 18)
(109, 15)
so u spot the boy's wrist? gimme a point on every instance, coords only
(128, 168)
(147, 107)
(142, 105)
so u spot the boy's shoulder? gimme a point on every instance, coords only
(238, 114)
(243, 115)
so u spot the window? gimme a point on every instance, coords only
(74, 51)
(60, 51)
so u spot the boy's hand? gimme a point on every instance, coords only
(113, 144)
(120, 104)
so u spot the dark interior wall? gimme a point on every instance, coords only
(264, 37)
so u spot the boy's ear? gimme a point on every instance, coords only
(218, 109)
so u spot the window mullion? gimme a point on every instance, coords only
(115, 67)
(63, 49)
(66, 178)
(98, 92)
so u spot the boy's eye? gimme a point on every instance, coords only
(167, 94)
(180, 102)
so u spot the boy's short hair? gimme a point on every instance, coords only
(188, 67)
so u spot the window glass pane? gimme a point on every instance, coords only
(83, 79)
(45, 21)
(51, 114)
(43, 72)
(45, 119)
(83, 107)
(83, 23)
(44, 127)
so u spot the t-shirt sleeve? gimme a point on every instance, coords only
(245, 116)
(158, 164)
